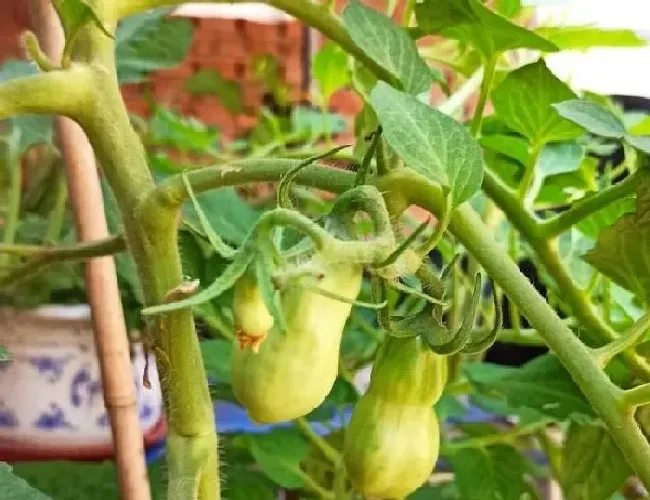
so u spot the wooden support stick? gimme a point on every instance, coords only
(101, 282)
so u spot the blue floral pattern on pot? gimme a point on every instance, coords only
(50, 390)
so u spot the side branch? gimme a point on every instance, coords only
(585, 207)
(44, 257)
(172, 192)
(65, 92)
(107, 246)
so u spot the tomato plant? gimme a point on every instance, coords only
(310, 289)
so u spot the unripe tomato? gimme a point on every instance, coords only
(294, 370)
(251, 316)
(393, 440)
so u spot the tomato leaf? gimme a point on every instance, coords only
(542, 385)
(13, 487)
(586, 37)
(279, 454)
(593, 466)
(494, 473)
(216, 355)
(209, 82)
(168, 128)
(431, 143)
(150, 41)
(330, 69)
(388, 45)
(593, 117)
(445, 491)
(472, 22)
(622, 248)
(524, 99)
(245, 484)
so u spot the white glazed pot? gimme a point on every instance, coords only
(51, 402)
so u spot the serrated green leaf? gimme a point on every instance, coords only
(13, 487)
(210, 82)
(329, 67)
(587, 37)
(430, 142)
(542, 385)
(388, 45)
(593, 467)
(279, 454)
(593, 117)
(592, 225)
(471, 21)
(217, 354)
(622, 249)
(192, 256)
(524, 99)
(242, 483)
(641, 143)
(494, 473)
(148, 42)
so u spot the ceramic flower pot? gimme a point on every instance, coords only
(51, 403)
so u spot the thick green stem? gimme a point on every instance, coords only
(486, 86)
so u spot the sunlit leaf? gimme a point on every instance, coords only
(388, 45)
(471, 21)
(329, 68)
(586, 37)
(593, 117)
(641, 143)
(524, 101)
(593, 466)
(430, 142)
(512, 146)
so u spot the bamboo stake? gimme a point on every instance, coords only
(101, 282)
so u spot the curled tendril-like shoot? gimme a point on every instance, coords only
(364, 167)
(441, 340)
(35, 53)
(284, 187)
(475, 346)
